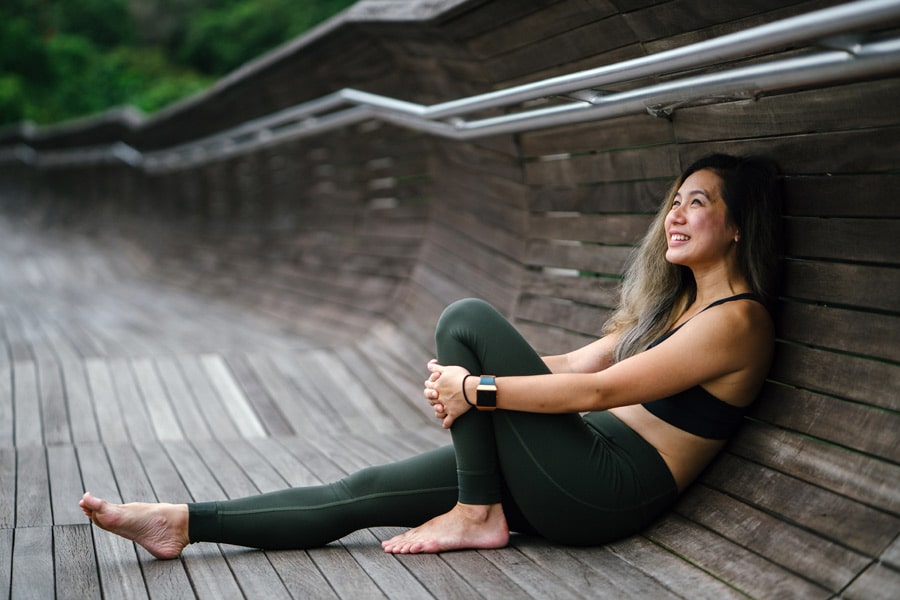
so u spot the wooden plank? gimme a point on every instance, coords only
(164, 578)
(137, 420)
(862, 286)
(157, 403)
(862, 333)
(562, 313)
(32, 561)
(75, 567)
(740, 568)
(282, 392)
(838, 374)
(639, 196)
(826, 195)
(361, 411)
(26, 405)
(54, 412)
(877, 583)
(595, 569)
(852, 106)
(271, 417)
(623, 132)
(891, 555)
(385, 570)
(602, 229)
(263, 476)
(110, 422)
(184, 404)
(831, 419)
(32, 488)
(850, 474)
(815, 153)
(608, 260)
(667, 19)
(6, 554)
(653, 163)
(7, 488)
(383, 394)
(345, 576)
(81, 412)
(484, 576)
(7, 423)
(256, 576)
(595, 291)
(19, 347)
(554, 20)
(826, 563)
(831, 515)
(528, 575)
(320, 416)
(671, 570)
(232, 397)
(300, 575)
(65, 485)
(208, 401)
(594, 39)
(864, 240)
(209, 572)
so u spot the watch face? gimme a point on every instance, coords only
(487, 393)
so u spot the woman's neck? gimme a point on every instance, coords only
(717, 283)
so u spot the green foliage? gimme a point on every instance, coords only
(106, 23)
(12, 99)
(61, 59)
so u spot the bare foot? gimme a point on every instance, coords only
(466, 526)
(162, 529)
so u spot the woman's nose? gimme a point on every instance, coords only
(675, 215)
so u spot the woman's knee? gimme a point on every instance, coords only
(464, 313)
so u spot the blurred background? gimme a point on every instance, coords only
(61, 59)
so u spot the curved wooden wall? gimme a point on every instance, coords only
(375, 224)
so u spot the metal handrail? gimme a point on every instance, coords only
(854, 58)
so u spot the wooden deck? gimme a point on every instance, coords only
(138, 390)
(263, 319)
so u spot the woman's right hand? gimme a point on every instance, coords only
(443, 390)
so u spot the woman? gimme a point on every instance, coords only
(681, 359)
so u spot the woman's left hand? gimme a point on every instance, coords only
(443, 389)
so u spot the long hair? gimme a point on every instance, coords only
(654, 292)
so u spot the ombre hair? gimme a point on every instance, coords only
(655, 292)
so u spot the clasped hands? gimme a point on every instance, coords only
(443, 390)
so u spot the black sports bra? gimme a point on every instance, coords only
(695, 410)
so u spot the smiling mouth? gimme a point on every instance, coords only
(679, 237)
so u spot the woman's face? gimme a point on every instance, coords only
(698, 231)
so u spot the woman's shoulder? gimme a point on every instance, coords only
(744, 323)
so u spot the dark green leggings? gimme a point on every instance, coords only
(573, 480)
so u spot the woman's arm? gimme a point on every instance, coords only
(591, 358)
(727, 349)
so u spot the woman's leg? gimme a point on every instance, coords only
(405, 492)
(472, 334)
(579, 481)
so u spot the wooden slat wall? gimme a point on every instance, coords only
(373, 230)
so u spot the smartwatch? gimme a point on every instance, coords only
(486, 398)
